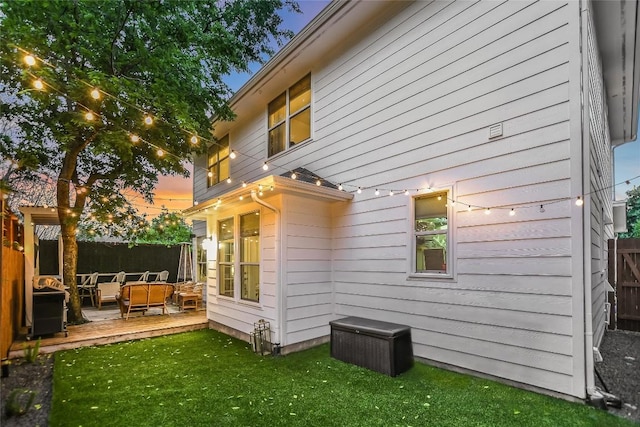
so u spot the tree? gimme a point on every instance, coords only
(168, 228)
(633, 214)
(100, 68)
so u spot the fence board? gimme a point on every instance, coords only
(624, 271)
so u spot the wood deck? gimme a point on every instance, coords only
(117, 330)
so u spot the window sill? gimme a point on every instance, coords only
(232, 300)
(430, 276)
(290, 150)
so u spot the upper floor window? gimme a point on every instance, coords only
(431, 233)
(290, 117)
(218, 163)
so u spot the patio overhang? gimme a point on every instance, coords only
(267, 186)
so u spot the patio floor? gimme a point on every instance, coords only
(106, 326)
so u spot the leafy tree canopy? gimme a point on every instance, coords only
(633, 214)
(162, 59)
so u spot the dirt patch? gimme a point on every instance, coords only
(25, 378)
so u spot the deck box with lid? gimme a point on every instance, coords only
(380, 346)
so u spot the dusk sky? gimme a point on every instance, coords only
(176, 193)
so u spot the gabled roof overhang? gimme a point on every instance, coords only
(39, 215)
(269, 186)
(618, 38)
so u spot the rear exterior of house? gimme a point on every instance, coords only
(439, 149)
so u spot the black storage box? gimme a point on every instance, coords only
(380, 346)
(48, 313)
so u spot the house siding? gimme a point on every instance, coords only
(600, 179)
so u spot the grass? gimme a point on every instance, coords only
(205, 378)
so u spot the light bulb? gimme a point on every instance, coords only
(194, 139)
(244, 184)
(512, 212)
(265, 167)
(406, 192)
(30, 60)
(232, 155)
(95, 94)
(89, 116)
(38, 84)
(541, 208)
(359, 191)
(134, 138)
(340, 187)
(377, 193)
(160, 152)
(293, 175)
(148, 120)
(579, 201)
(318, 183)
(487, 211)
(439, 197)
(391, 192)
(209, 174)
(241, 197)
(229, 180)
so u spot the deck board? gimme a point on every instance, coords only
(116, 330)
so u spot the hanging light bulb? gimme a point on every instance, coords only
(541, 208)
(487, 211)
(194, 139)
(160, 152)
(219, 201)
(38, 84)
(232, 155)
(95, 93)
(209, 174)
(340, 187)
(271, 188)
(134, 138)
(406, 192)
(244, 184)
(229, 180)
(512, 212)
(265, 166)
(89, 116)
(29, 60)
(241, 197)
(439, 197)
(359, 191)
(148, 120)
(293, 175)
(391, 192)
(318, 183)
(377, 192)
(579, 201)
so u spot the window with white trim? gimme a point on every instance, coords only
(431, 234)
(289, 117)
(239, 257)
(218, 161)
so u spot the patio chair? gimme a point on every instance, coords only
(162, 276)
(144, 277)
(119, 277)
(106, 292)
(88, 288)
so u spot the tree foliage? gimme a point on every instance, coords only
(162, 59)
(166, 229)
(633, 214)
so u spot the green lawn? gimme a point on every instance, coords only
(205, 378)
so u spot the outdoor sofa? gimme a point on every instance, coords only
(141, 296)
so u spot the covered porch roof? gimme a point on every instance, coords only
(272, 184)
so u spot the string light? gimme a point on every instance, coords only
(244, 184)
(148, 120)
(95, 93)
(134, 138)
(160, 152)
(391, 192)
(241, 197)
(89, 116)
(194, 139)
(487, 211)
(38, 84)
(210, 174)
(265, 166)
(377, 192)
(541, 208)
(512, 212)
(579, 201)
(469, 208)
(30, 60)
(293, 175)
(318, 183)
(340, 188)
(229, 180)
(406, 192)
(232, 155)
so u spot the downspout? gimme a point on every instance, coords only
(278, 261)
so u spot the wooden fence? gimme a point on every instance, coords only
(11, 279)
(626, 266)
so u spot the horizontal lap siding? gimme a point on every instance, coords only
(410, 107)
(599, 203)
(307, 249)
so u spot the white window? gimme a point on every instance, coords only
(218, 162)
(431, 234)
(289, 117)
(239, 257)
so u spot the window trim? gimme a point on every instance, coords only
(449, 257)
(288, 116)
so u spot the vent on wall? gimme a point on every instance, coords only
(495, 130)
(619, 217)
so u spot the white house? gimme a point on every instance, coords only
(494, 117)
